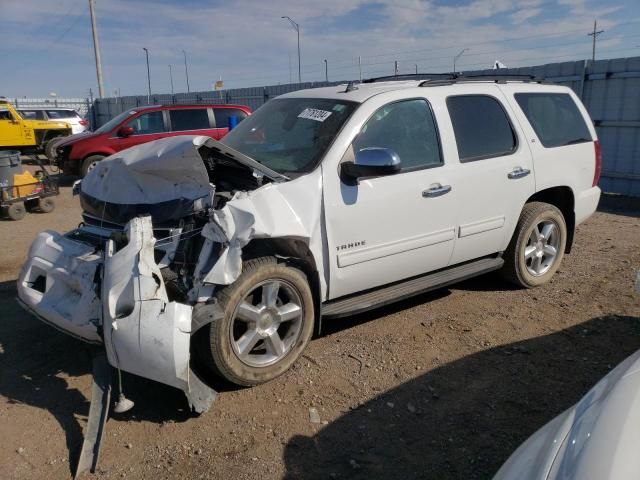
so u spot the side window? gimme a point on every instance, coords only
(189, 119)
(29, 114)
(5, 114)
(481, 127)
(60, 114)
(408, 128)
(223, 114)
(147, 123)
(555, 118)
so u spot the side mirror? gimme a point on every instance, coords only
(125, 131)
(370, 162)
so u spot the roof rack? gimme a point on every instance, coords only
(497, 78)
(407, 76)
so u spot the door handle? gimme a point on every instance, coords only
(436, 190)
(518, 172)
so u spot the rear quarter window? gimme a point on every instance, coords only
(60, 114)
(555, 118)
(222, 116)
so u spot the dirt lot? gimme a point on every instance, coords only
(443, 386)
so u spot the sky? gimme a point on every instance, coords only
(47, 46)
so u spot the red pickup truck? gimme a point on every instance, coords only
(78, 154)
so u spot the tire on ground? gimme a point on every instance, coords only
(515, 267)
(16, 211)
(220, 355)
(89, 163)
(46, 205)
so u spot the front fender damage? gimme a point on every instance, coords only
(144, 333)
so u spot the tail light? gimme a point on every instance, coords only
(598, 169)
(84, 122)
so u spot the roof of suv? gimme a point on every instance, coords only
(190, 105)
(363, 91)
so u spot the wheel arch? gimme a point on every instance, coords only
(563, 198)
(296, 253)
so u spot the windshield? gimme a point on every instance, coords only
(290, 135)
(111, 124)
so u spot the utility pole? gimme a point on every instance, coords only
(296, 27)
(146, 51)
(96, 48)
(455, 59)
(186, 70)
(326, 71)
(416, 68)
(171, 78)
(360, 66)
(395, 68)
(594, 34)
(290, 77)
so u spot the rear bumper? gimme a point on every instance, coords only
(586, 203)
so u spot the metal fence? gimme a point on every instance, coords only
(80, 105)
(610, 89)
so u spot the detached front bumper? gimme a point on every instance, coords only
(58, 284)
(116, 296)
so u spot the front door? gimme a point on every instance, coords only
(391, 227)
(11, 129)
(147, 127)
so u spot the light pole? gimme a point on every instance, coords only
(296, 27)
(326, 71)
(146, 51)
(457, 57)
(186, 70)
(171, 78)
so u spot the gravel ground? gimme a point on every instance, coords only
(443, 386)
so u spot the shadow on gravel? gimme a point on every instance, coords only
(463, 419)
(36, 359)
(620, 205)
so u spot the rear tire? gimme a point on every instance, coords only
(537, 247)
(46, 205)
(16, 211)
(268, 322)
(89, 164)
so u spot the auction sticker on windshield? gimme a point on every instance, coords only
(314, 114)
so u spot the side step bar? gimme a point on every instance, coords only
(371, 299)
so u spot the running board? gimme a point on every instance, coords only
(399, 291)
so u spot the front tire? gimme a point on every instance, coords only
(89, 164)
(268, 322)
(537, 247)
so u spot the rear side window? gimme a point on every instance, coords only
(223, 114)
(481, 127)
(59, 114)
(555, 118)
(189, 119)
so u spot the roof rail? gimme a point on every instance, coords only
(408, 76)
(497, 78)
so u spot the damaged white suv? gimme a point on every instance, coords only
(323, 203)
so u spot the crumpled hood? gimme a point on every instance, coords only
(166, 179)
(153, 172)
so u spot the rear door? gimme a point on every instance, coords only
(495, 170)
(147, 126)
(191, 121)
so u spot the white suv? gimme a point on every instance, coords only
(323, 203)
(67, 115)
